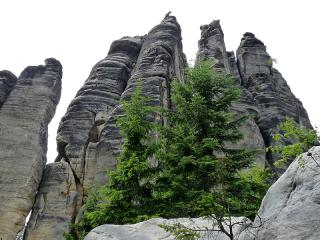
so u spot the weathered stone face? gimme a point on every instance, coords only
(67, 180)
(290, 209)
(212, 48)
(95, 101)
(88, 137)
(55, 204)
(89, 140)
(24, 118)
(7, 81)
(269, 91)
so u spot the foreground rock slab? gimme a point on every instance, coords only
(24, 119)
(150, 230)
(291, 207)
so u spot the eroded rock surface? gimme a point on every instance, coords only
(7, 81)
(266, 97)
(212, 48)
(55, 204)
(24, 119)
(161, 59)
(88, 138)
(291, 207)
(77, 137)
(95, 101)
(269, 90)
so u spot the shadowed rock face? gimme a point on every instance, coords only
(212, 48)
(7, 81)
(161, 59)
(61, 192)
(95, 100)
(269, 90)
(266, 97)
(88, 138)
(24, 118)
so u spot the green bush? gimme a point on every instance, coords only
(291, 141)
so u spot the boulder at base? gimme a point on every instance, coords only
(150, 230)
(291, 207)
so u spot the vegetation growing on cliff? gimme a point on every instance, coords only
(195, 173)
(291, 141)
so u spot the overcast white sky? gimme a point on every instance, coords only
(79, 33)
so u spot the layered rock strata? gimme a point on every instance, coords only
(266, 97)
(7, 81)
(160, 60)
(89, 140)
(24, 119)
(212, 48)
(78, 132)
(270, 92)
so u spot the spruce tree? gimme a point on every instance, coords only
(198, 175)
(126, 197)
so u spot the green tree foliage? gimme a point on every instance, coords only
(291, 141)
(127, 196)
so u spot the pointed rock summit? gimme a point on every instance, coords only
(24, 118)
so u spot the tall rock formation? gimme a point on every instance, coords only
(269, 91)
(24, 119)
(88, 138)
(212, 48)
(78, 129)
(266, 97)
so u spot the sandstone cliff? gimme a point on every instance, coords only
(88, 140)
(24, 118)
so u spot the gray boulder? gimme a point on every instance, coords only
(24, 119)
(150, 230)
(291, 207)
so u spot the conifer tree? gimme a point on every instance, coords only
(198, 175)
(127, 195)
